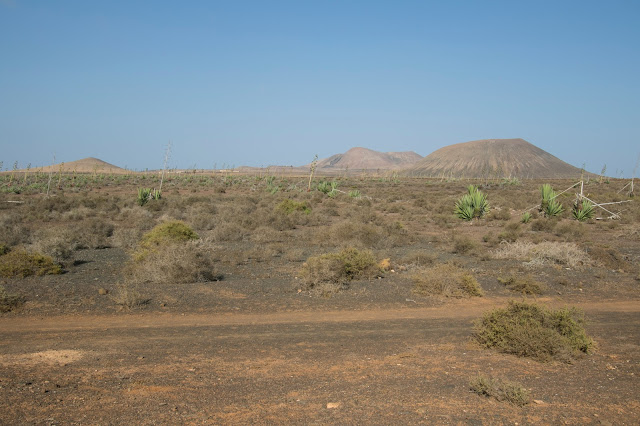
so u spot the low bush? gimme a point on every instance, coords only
(446, 280)
(20, 263)
(501, 390)
(510, 233)
(186, 262)
(9, 301)
(289, 206)
(128, 296)
(339, 268)
(530, 330)
(524, 285)
(543, 225)
(543, 253)
(463, 245)
(166, 233)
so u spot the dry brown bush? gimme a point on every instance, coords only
(546, 252)
(445, 279)
(187, 262)
(338, 268)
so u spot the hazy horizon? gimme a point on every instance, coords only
(274, 83)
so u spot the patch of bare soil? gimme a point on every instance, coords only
(380, 366)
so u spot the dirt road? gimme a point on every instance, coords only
(398, 366)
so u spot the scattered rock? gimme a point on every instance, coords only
(332, 405)
(102, 291)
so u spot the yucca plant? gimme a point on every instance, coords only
(549, 205)
(526, 217)
(144, 194)
(472, 205)
(582, 210)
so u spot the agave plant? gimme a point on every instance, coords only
(582, 210)
(472, 205)
(144, 195)
(549, 205)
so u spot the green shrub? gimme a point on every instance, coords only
(355, 194)
(526, 217)
(472, 205)
(9, 301)
(164, 234)
(289, 206)
(341, 267)
(20, 263)
(530, 330)
(501, 390)
(447, 280)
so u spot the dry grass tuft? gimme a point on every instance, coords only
(524, 285)
(447, 280)
(543, 253)
(501, 390)
(9, 301)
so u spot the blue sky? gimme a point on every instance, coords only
(276, 82)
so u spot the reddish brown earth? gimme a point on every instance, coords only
(401, 366)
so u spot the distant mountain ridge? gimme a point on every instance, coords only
(492, 157)
(368, 159)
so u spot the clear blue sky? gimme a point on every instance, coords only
(274, 82)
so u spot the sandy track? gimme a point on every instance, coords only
(470, 309)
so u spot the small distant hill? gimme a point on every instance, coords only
(368, 159)
(493, 157)
(86, 165)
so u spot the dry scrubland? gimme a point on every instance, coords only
(259, 245)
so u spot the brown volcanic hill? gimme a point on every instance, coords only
(363, 158)
(86, 165)
(494, 158)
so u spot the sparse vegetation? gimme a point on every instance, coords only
(447, 280)
(534, 331)
(546, 252)
(522, 284)
(9, 301)
(339, 268)
(19, 263)
(289, 206)
(501, 390)
(165, 234)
